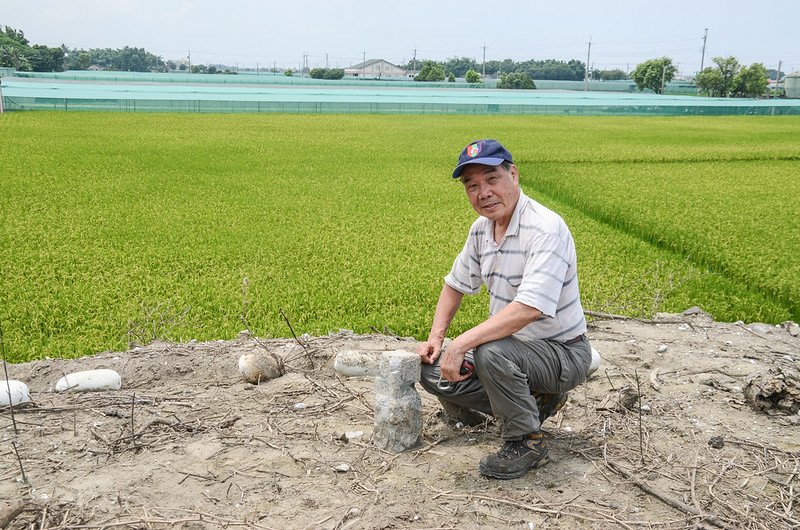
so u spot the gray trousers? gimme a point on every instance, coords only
(507, 371)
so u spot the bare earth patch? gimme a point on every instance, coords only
(186, 443)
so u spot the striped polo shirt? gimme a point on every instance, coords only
(535, 264)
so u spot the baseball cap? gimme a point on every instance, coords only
(486, 152)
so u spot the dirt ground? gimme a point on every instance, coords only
(212, 451)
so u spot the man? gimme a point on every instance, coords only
(533, 348)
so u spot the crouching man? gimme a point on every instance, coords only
(533, 348)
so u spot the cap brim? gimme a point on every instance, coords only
(481, 161)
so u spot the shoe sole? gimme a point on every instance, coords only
(507, 476)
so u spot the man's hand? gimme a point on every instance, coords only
(429, 351)
(452, 359)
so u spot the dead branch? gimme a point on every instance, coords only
(8, 383)
(611, 316)
(301, 343)
(647, 488)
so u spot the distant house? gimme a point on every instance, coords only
(375, 69)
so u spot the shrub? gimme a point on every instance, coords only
(473, 76)
(516, 80)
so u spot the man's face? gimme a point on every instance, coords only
(493, 191)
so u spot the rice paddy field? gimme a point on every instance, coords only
(120, 228)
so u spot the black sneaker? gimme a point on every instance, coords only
(549, 404)
(515, 458)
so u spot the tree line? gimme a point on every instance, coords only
(726, 78)
(18, 53)
(572, 70)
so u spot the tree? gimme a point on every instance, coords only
(326, 73)
(135, 60)
(654, 74)
(492, 67)
(14, 49)
(609, 75)
(431, 71)
(288, 73)
(459, 66)
(473, 77)
(751, 81)
(775, 75)
(451, 77)
(516, 80)
(551, 69)
(45, 59)
(719, 80)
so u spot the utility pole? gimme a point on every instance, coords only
(364, 56)
(703, 55)
(775, 94)
(663, 75)
(1, 98)
(483, 69)
(586, 75)
(326, 61)
(256, 67)
(414, 63)
(190, 61)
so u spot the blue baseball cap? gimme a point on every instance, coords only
(485, 152)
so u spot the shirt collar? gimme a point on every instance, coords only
(513, 225)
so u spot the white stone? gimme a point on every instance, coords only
(759, 327)
(354, 363)
(19, 392)
(597, 360)
(342, 468)
(661, 348)
(349, 436)
(101, 379)
(257, 367)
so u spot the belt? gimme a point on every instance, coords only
(579, 338)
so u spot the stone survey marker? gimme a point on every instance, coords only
(398, 408)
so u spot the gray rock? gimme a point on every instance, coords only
(398, 407)
(760, 327)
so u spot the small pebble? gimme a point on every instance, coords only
(342, 468)
(299, 406)
(349, 436)
(717, 442)
(662, 348)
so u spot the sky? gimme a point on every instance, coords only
(339, 33)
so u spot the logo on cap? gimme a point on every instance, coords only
(473, 150)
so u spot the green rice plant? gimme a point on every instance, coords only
(737, 218)
(353, 221)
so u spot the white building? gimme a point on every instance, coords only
(375, 69)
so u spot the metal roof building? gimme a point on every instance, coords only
(376, 69)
